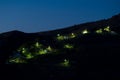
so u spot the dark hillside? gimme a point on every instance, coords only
(80, 52)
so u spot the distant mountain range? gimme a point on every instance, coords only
(90, 44)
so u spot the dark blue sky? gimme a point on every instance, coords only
(42, 15)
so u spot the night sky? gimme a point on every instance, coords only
(42, 15)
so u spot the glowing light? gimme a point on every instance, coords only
(23, 50)
(85, 31)
(99, 31)
(42, 52)
(60, 37)
(37, 44)
(66, 63)
(49, 48)
(107, 29)
(69, 46)
(66, 37)
(29, 56)
(17, 60)
(58, 34)
(73, 35)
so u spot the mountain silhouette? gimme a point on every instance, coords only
(81, 51)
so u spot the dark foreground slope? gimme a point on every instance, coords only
(80, 52)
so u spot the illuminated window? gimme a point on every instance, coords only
(99, 31)
(68, 46)
(107, 29)
(85, 31)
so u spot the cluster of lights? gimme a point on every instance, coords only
(17, 60)
(85, 31)
(70, 36)
(63, 37)
(27, 54)
(106, 29)
(99, 31)
(40, 50)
